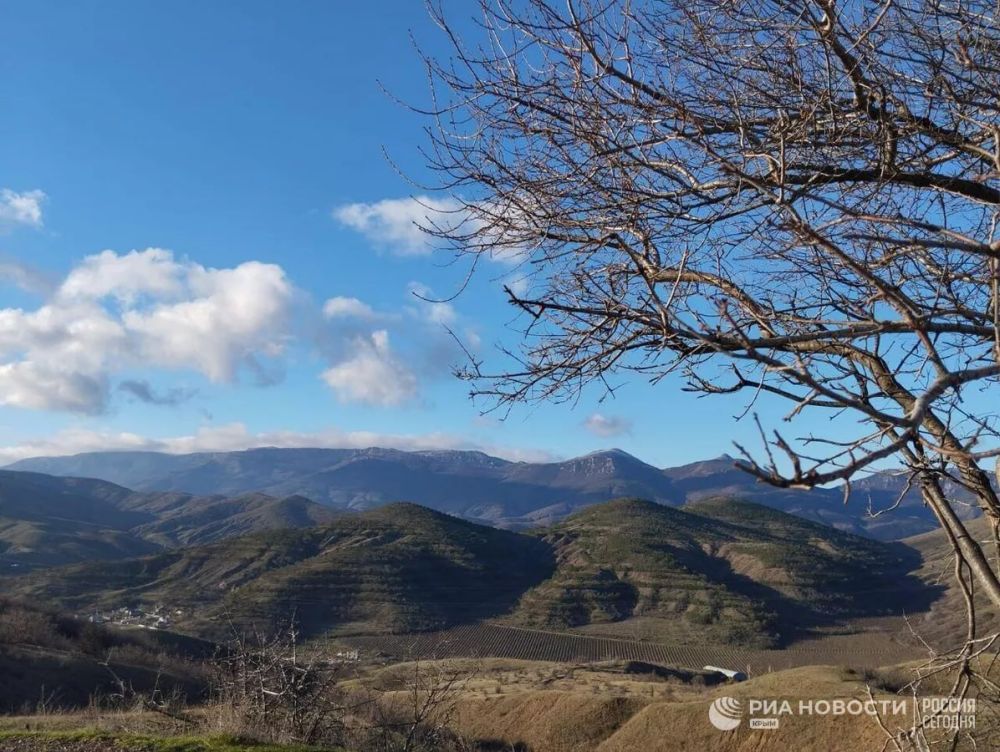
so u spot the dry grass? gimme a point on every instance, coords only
(585, 709)
(597, 707)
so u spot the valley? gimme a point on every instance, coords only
(621, 600)
(718, 572)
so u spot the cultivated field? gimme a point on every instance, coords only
(863, 650)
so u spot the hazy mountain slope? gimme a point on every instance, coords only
(720, 478)
(27, 544)
(34, 496)
(397, 568)
(186, 520)
(471, 484)
(481, 488)
(721, 570)
(47, 520)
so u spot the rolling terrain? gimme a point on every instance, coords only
(944, 623)
(720, 571)
(48, 521)
(481, 488)
(52, 659)
(399, 568)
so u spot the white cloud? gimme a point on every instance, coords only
(143, 308)
(344, 307)
(399, 223)
(504, 233)
(607, 425)
(40, 386)
(227, 318)
(372, 374)
(126, 277)
(235, 436)
(519, 283)
(21, 208)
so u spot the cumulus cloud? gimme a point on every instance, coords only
(399, 224)
(383, 358)
(113, 312)
(144, 308)
(235, 436)
(607, 426)
(21, 208)
(351, 308)
(143, 391)
(372, 374)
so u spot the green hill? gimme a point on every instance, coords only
(397, 568)
(720, 571)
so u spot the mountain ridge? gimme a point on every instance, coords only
(482, 488)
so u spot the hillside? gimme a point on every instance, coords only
(944, 624)
(720, 571)
(47, 656)
(481, 488)
(397, 568)
(471, 484)
(48, 521)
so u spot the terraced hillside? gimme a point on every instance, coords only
(398, 568)
(722, 571)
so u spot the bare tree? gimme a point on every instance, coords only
(272, 688)
(417, 715)
(794, 198)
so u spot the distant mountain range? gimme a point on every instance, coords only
(481, 488)
(722, 571)
(47, 520)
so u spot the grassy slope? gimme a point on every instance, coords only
(397, 568)
(720, 571)
(46, 656)
(567, 708)
(86, 740)
(944, 624)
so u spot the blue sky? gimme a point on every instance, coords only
(202, 245)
